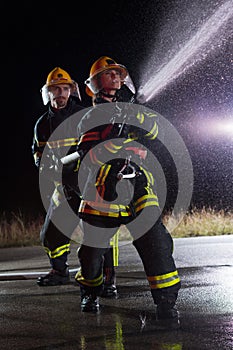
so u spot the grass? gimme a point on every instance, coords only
(202, 222)
(17, 230)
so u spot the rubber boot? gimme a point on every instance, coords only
(58, 275)
(167, 316)
(89, 300)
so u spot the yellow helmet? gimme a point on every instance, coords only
(58, 76)
(100, 65)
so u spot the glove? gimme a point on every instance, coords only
(57, 164)
(50, 168)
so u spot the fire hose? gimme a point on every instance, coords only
(13, 276)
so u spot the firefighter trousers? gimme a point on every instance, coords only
(155, 248)
(56, 234)
(57, 229)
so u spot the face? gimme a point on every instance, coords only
(110, 80)
(59, 95)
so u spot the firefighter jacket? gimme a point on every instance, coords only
(110, 142)
(54, 142)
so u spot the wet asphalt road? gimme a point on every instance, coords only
(34, 317)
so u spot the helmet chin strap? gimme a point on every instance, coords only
(100, 97)
(124, 94)
(117, 97)
(103, 93)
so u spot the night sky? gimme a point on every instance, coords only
(171, 44)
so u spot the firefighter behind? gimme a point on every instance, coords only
(119, 190)
(61, 96)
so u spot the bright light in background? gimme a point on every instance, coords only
(225, 127)
(220, 128)
(215, 126)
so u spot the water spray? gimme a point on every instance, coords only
(197, 48)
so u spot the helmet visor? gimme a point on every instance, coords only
(74, 92)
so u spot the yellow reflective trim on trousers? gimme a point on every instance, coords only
(114, 244)
(58, 251)
(163, 281)
(89, 283)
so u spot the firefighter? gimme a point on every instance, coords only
(119, 189)
(126, 95)
(61, 94)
